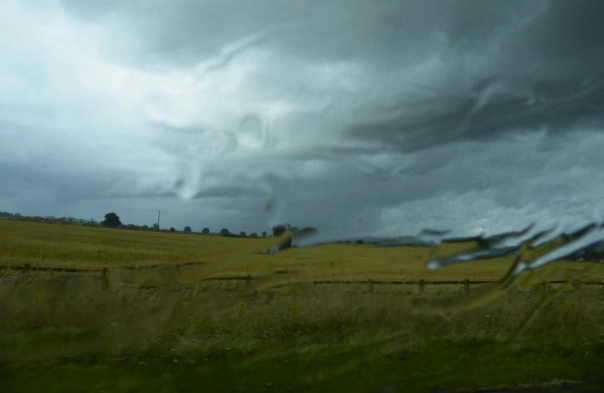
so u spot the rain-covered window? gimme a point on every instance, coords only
(238, 195)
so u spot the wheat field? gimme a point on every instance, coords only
(170, 294)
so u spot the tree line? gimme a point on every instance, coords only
(112, 220)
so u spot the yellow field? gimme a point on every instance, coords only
(71, 245)
(42, 244)
(180, 310)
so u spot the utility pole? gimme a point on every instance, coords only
(158, 214)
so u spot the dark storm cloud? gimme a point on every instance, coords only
(185, 31)
(354, 116)
(547, 72)
(490, 109)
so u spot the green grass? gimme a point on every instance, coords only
(314, 364)
(167, 329)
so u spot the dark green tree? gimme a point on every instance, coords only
(225, 232)
(112, 220)
(187, 229)
(279, 230)
(205, 231)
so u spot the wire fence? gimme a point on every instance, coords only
(421, 284)
(371, 284)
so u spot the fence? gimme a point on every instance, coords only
(26, 268)
(420, 283)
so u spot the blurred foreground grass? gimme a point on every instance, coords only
(166, 328)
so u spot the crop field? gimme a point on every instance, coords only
(171, 312)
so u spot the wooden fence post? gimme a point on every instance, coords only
(421, 285)
(370, 285)
(105, 278)
(248, 279)
(466, 285)
(26, 268)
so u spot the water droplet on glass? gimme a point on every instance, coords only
(532, 248)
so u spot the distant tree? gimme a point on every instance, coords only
(242, 234)
(156, 227)
(172, 229)
(279, 230)
(112, 220)
(187, 229)
(225, 232)
(205, 231)
(264, 234)
(253, 234)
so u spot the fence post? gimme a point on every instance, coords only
(248, 278)
(466, 285)
(105, 278)
(421, 285)
(26, 268)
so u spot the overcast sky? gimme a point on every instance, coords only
(356, 117)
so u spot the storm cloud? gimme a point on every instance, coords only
(356, 117)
